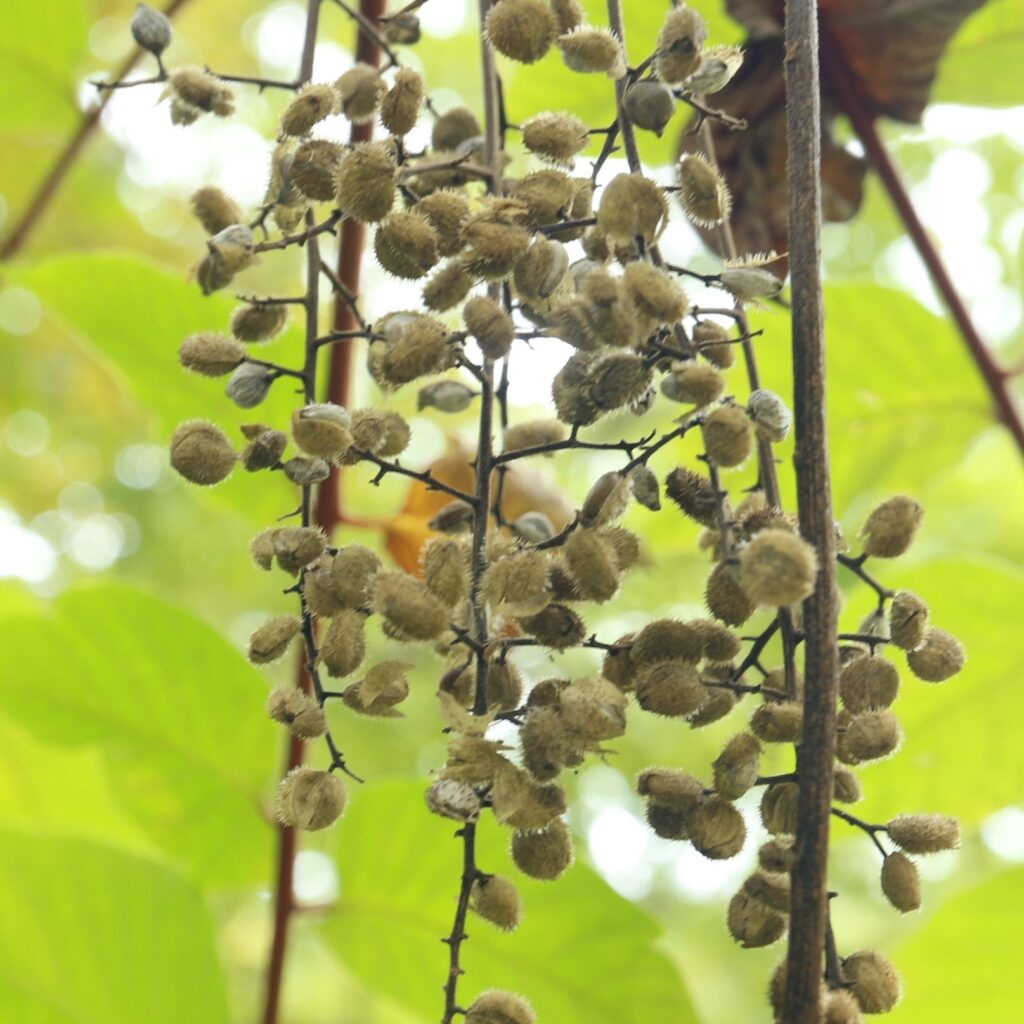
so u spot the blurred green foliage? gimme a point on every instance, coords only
(136, 766)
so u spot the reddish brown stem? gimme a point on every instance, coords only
(50, 185)
(844, 88)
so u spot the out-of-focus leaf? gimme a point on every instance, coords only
(175, 710)
(92, 936)
(399, 886)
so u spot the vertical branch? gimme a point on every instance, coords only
(809, 900)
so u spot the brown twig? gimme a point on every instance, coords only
(816, 752)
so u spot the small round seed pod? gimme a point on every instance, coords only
(555, 137)
(869, 736)
(271, 640)
(359, 90)
(901, 883)
(445, 570)
(299, 711)
(201, 453)
(845, 786)
(778, 808)
(717, 703)
(202, 91)
(778, 723)
(305, 471)
(655, 293)
(454, 128)
(876, 985)
(151, 29)
(777, 568)
(840, 1007)
(406, 244)
(265, 447)
(311, 105)
(725, 598)
(939, 656)
(544, 855)
(625, 546)
(593, 51)
(645, 487)
(544, 742)
(593, 709)
(667, 640)
(727, 436)
(570, 391)
(714, 343)
(669, 688)
(210, 353)
(679, 45)
(496, 899)
(541, 269)
(490, 325)
(777, 855)
(343, 646)
(924, 833)
(890, 528)
(447, 212)
(618, 378)
(408, 605)
(668, 821)
(450, 798)
(770, 414)
(400, 108)
(497, 1006)
(718, 643)
(448, 286)
(420, 349)
(323, 430)
(591, 562)
(310, 799)
(617, 666)
(261, 547)
(533, 434)
(694, 382)
(736, 768)
(256, 322)
(314, 169)
(717, 829)
(695, 497)
(384, 687)
(631, 206)
(568, 14)
(493, 247)
(671, 786)
(295, 547)
(445, 396)
(606, 500)
(522, 30)
(752, 924)
(366, 181)
(556, 626)
(547, 195)
(868, 682)
(769, 888)
(214, 209)
(533, 527)
(908, 620)
(518, 585)
(702, 191)
(649, 105)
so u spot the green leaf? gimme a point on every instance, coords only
(400, 870)
(177, 712)
(965, 963)
(92, 936)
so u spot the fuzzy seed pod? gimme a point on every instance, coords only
(496, 899)
(694, 382)
(295, 547)
(264, 449)
(271, 640)
(670, 785)
(570, 391)
(679, 45)
(343, 646)
(214, 209)
(667, 640)
(840, 1007)
(447, 287)
(769, 888)
(544, 743)
(533, 527)
(778, 723)
(211, 353)
(499, 1007)
(714, 343)
(752, 924)
(420, 349)
(408, 605)
(212, 275)
(311, 105)
(400, 108)
(736, 768)
(359, 90)
(869, 736)
(201, 91)
(533, 434)
(777, 568)
(493, 247)
(727, 436)
(151, 29)
(310, 799)
(455, 517)
(725, 598)
(777, 855)
(314, 169)
(649, 105)
(593, 709)
(449, 798)
(703, 191)
(545, 854)
(778, 808)
(939, 656)
(490, 325)
(541, 269)
(305, 471)
(520, 803)
(382, 688)
(445, 396)
(901, 883)
(718, 643)
(453, 129)
(447, 212)
(591, 562)
(556, 626)
(770, 414)
(655, 293)
(522, 30)
(924, 833)
(568, 14)
(716, 828)
(555, 137)
(868, 682)
(845, 786)
(322, 430)
(261, 547)
(445, 571)
(717, 703)
(547, 195)
(406, 244)
(669, 688)
(890, 528)
(876, 985)
(908, 620)
(695, 497)
(593, 50)
(631, 206)
(201, 453)
(258, 323)
(518, 585)
(617, 379)
(299, 711)
(366, 181)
